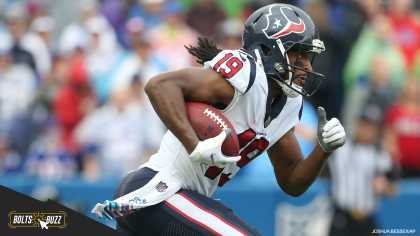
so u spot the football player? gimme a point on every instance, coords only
(260, 89)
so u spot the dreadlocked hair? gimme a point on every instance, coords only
(205, 51)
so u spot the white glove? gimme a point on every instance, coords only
(331, 134)
(209, 151)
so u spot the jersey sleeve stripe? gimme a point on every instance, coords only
(252, 73)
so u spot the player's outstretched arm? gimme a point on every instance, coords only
(169, 91)
(295, 173)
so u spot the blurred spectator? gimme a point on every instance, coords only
(53, 82)
(44, 27)
(204, 16)
(138, 67)
(150, 10)
(94, 40)
(141, 62)
(73, 101)
(135, 71)
(115, 137)
(405, 29)
(31, 126)
(20, 56)
(17, 87)
(230, 34)
(47, 157)
(75, 35)
(168, 39)
(154, 124)
(376, 89)
(402, 129)
(361, 171)
(17, 18)
(104, 57)
(358, 14)
(134, 29)
(374, 39)
(10, 160)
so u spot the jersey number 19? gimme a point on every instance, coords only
(251, 148)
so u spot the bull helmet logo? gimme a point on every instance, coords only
(280, 25)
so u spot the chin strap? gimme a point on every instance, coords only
(286, 90)
(259, 61)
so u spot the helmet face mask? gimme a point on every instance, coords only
(312, 81)
(283, 29)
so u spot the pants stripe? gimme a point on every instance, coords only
(201, 216)
(210, 212)
(191, 219)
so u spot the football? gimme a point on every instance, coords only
(208, 122)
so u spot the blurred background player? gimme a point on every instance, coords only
(361, 171)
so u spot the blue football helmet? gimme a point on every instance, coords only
(279, 28)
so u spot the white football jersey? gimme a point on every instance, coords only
(259, 122)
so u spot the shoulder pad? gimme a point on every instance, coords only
(239, 69)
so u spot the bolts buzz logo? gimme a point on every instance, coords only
(37, 220)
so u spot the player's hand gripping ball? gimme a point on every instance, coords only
(331, 134)
(218, 145)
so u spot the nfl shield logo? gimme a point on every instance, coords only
(161, 187)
